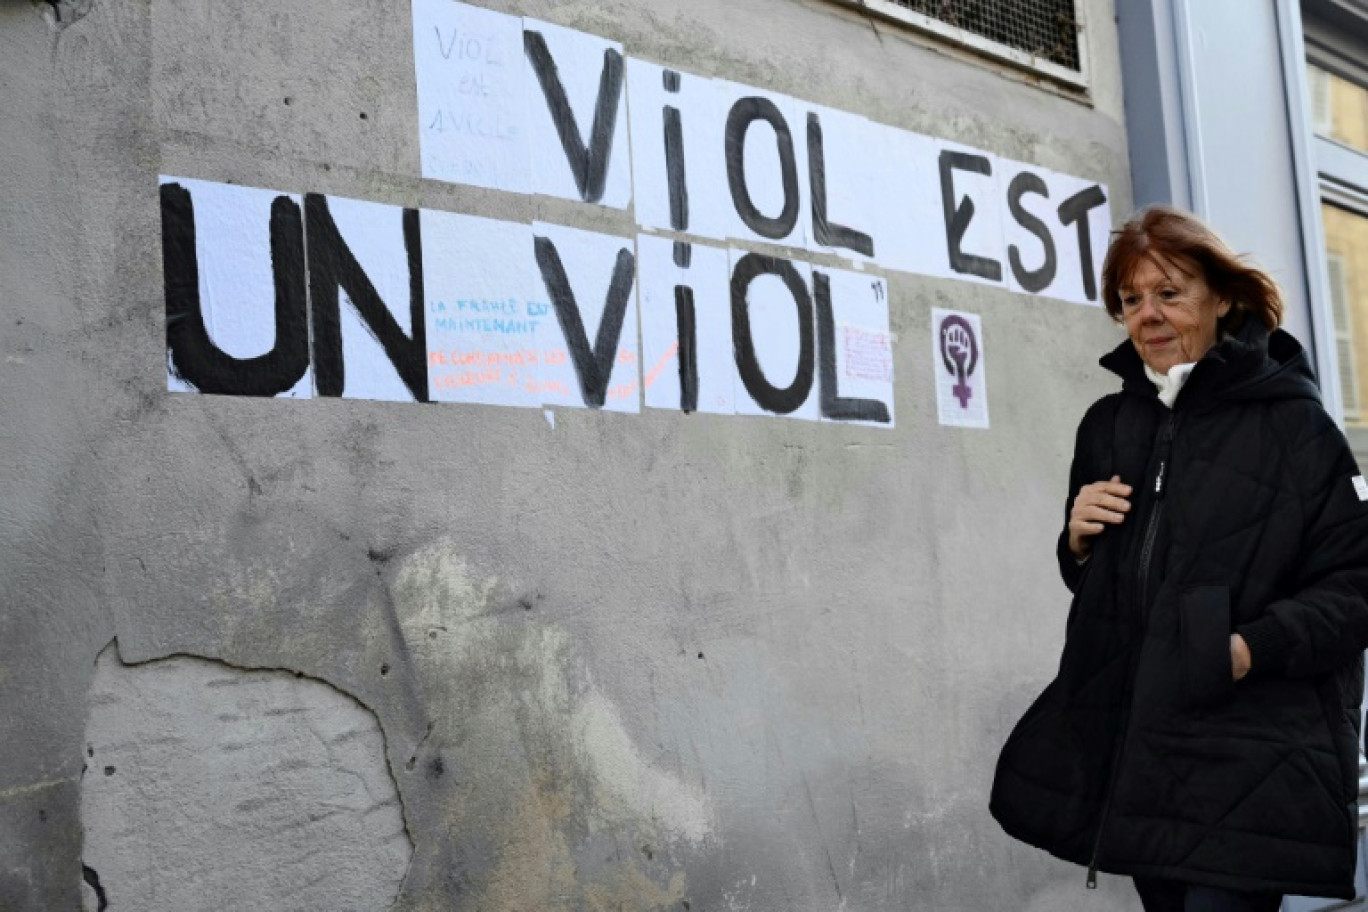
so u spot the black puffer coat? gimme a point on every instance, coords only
(1143, 757)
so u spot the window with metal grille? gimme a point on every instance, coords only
(1041, 28)
(1044, 37)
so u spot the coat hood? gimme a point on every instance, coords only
(1251, 364)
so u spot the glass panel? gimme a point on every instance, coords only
(1346, 248)
(1339, 108)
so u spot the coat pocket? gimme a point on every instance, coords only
(1204, 645)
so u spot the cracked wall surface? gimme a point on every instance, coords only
(213, 787)
(655, 662)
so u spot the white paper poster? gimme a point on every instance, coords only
(471, 71)
(588, 281)
(862, 355)
(484, 308)
(849, 188)
(908, 223)
(1080, 275)
(701, 333)
(775, 339)
(577, 111)
(971, 212)
(1050, 260)
(763, 164)
(237, 287)
(679, 180)
(374, 235)
(959, 366)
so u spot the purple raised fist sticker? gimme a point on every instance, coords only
(959, 351)
(960, 368)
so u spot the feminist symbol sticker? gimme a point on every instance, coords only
(961, 385)
(959, 351)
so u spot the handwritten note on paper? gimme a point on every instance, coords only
(867, 355)
(482, 311)
(470, 70)
(862, 379)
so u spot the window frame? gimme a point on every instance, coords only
(1343, 196)
(1341, 174)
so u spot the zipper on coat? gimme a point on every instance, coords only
(1163, 453)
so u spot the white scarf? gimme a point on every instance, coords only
(1169, 386)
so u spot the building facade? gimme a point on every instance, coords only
(603, 455)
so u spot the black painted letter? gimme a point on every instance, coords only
(744, 113)
(1032, 280)
(332, 267)
(194, 356)
(593, 368)
(674, 158)
(780, 400)
(958, 214)
(1076, 209)
(827, 233)
(588, 164)
(687, 324)
(834, 405)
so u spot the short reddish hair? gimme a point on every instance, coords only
(1191, 245)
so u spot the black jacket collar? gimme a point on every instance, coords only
(1250, 364)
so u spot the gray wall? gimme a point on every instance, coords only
(646, 662)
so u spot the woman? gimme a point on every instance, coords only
(1202, 732)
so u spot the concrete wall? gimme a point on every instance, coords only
(659, 661)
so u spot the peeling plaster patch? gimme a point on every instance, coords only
(542, 766)
(628, 780)
(236, 789)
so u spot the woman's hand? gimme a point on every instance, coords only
(1096, 505)
(1239, 656)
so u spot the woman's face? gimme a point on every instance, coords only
(1169, 312)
